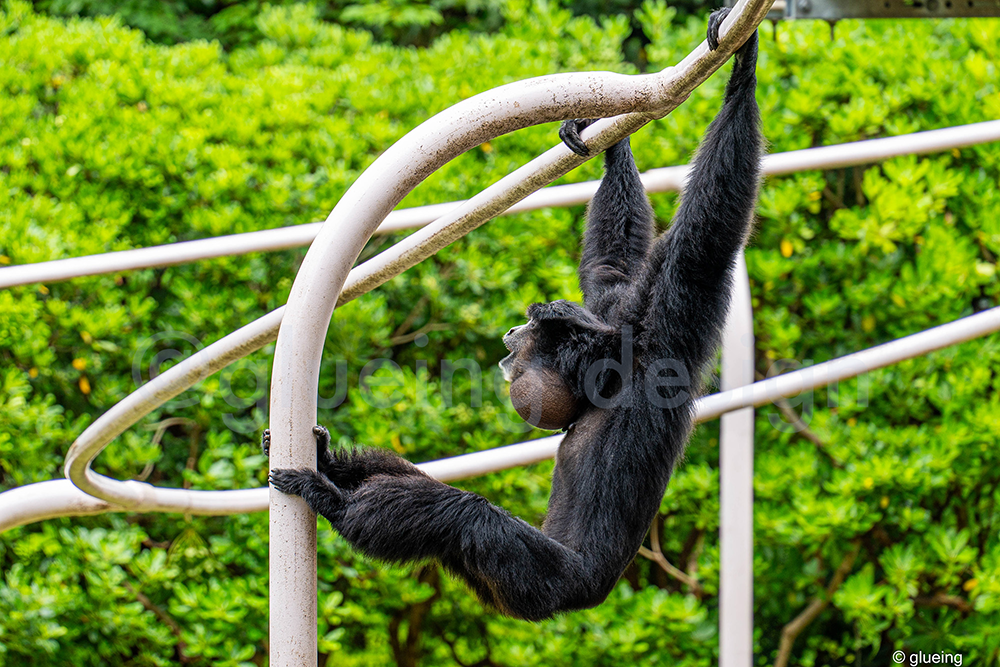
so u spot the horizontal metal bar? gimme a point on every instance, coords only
(848, 366)
(665, 179)
(760, 393)
(43, 500)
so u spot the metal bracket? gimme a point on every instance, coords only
(835, 10)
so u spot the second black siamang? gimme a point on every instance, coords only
(619, 374)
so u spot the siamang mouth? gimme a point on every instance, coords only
(505, 367)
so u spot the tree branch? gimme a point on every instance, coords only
(163, 617)
(814, 608)
(192, 460)
(407, 652)
(940, 599)
(801, 428)
(413, 335)
(656, 555)
(160, 428)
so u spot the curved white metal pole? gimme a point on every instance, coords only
(48, 500)
(664, 179)
(736, 484)
(180, 377)
(325, 268)
(139, 496)
(253, 336)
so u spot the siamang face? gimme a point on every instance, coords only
(539, 387)
(519, 341)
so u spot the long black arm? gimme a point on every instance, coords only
(687, 287)
(619, 227)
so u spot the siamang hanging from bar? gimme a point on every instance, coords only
(619, 374)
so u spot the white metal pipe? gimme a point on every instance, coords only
(765, 391)
(47, 500)
(60, 497)
(876, 150)
(475, 464)
(665, 179)
(370, 199)
(57, 270)
(851, 365)
(21, 505)
(145, 497)
(736, 484)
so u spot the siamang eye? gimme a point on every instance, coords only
(514, 330)
(509, 338)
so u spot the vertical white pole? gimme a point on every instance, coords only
(736, 485)
(292, 528)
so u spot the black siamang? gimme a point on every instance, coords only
(618, 373)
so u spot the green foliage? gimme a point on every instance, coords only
(109, 141)
(235, 23)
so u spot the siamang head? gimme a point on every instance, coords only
(547, 359)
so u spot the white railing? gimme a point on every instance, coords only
(361, 213)
(665, 179)
(59, 498)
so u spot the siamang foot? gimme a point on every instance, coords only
(322, 495)
(324, 459)
(715, 20)
(348, 468)
(322, 438)
(322, 444)
(290, 481)
(569, 132)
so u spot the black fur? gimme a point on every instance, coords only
(653, 315)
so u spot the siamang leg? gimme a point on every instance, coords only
(349, 467)
(508, 563)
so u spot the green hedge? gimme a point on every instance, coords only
(234, 22)
(108, 141)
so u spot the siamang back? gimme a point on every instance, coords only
(619, 374)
